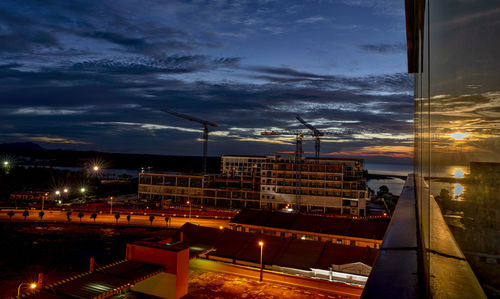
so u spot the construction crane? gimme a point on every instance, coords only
(205, 125)
(298, 161)
(315, 133)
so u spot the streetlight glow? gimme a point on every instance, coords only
(65, 190)
(5, 163)
(95, 168)
(221, 227)
(58, 192)
(83, 190)
(261, 244)
(33, 285)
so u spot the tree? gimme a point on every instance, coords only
(444, 200)
(25, 215)
(10, 213)
(151, 218)
(68, 215)
(128, 218)
(167, 220)
(382, 190)
(80, 215)
(41, 215)
(117, 216)
(93, 216)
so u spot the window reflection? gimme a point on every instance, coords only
(457, 127)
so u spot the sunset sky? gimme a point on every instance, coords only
(95, 75)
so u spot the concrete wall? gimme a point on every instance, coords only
(176, 262)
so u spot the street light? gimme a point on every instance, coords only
(111, 208)
(261, 244)
(58, 192)
(32, 285)
(6, 165)
(189, 209)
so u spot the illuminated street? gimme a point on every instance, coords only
(106, 218)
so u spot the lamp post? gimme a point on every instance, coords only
(66, 194)
(111, 208)
(6, 166)
(261, 244)
(189, 204)
(32, 285)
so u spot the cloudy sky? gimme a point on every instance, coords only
(95, 75)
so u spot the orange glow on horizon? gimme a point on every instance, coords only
(399, 151)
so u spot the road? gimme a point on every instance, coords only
(106, 218)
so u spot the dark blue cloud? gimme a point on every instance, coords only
(384, 48)
(97, 75)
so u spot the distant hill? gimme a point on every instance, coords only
(21, 146)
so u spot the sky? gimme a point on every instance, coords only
(95, 75)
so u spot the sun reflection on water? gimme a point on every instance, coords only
(458, 191)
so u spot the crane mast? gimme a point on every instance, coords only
(205, 125)
(316, 134)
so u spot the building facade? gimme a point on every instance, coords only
(210, 190)
(338, 185)
(241, 166)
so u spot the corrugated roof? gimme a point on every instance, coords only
(105, 280)
(361, 228)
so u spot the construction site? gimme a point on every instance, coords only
(312, 184)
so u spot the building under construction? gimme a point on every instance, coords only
(325, 185)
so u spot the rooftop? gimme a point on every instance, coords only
(285, 252)
(361, 228)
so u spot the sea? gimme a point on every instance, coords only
(395, 185)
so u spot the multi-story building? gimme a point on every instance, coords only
(241, 166)
(209, 190)
(337, 185)
(333, 185)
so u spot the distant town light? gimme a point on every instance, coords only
(96, 168)
(82, 190)
(5, 163)
(221, 227)
(33, 285)
(59, 201)
(65, 190)
(58, 192)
